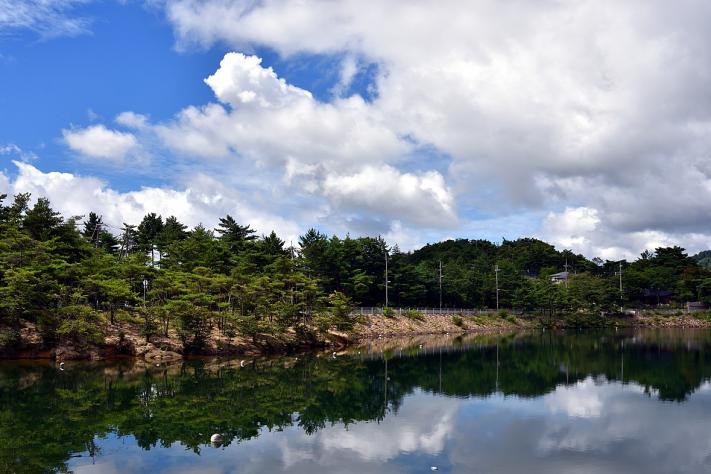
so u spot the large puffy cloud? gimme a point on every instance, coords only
(97, 141)
(267, 120)
(421, 199)
(340, 152)
(202, 200)
(583, 230)
(584, 104)
(242, 80)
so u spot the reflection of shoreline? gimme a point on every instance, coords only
(688, 339)
(413, 345)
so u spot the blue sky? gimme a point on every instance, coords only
(582, 123)
(56, 82)
(126, 61)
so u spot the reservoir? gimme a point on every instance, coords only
(627, 401)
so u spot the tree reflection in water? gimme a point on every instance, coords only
(46, 415)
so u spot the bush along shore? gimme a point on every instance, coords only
(187, 330)
(81, 287)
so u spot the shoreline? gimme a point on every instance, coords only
(123, 340)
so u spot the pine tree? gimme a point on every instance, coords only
(128, 240)
(13, 214)
(173, 231)
(234, 235)
(41, 221)
(148, 231)
(273, 246)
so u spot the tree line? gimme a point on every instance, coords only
(67, 274)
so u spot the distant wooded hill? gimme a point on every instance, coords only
(703, 259)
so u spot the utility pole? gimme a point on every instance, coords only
(440, 284)
(96, 233)
(386, 278)
(567, 273)
(291, 249)
(619, 273)
(496, 272)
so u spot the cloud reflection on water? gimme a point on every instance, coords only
(591, 426)
(588, 427)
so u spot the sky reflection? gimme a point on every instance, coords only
(591, 426)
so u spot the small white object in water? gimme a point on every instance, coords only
(434, 468)
(157, 365)
(216, 438)
(61, 366)
(241, 363)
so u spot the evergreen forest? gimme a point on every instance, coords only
(70, 274)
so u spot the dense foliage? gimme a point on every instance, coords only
(67, 274)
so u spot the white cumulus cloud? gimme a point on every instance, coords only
(590, 104)
(340, 152)
(97, 141)
(201, 200)
(422, 199)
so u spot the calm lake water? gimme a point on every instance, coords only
(613, 402)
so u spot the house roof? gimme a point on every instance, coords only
(560, 276)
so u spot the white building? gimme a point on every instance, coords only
(558, 278)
